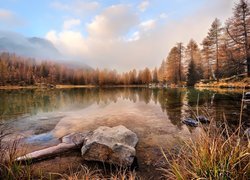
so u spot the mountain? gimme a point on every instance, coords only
(35, 47)
(31, 47)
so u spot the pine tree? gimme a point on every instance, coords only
(193, 53)
(192, 75)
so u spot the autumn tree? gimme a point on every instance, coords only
(214, 35)
(174, 67)
(238, 28)
(162, 71)
(180, 55)
(146, 76)
(155, 76)
(192, 53)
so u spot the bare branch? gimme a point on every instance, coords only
(228, 32)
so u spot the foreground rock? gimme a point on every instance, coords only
(202, 119)
(247, 96)
(69, 142)
(190, 122)
(111, 145)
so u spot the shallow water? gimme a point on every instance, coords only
(44, 116)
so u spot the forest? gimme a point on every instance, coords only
(224, 52)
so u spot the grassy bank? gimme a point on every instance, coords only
(214, 154)
(226, 83)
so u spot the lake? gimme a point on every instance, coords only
(43, 116)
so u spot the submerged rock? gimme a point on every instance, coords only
(111, 145)
(247, 97)
(190, 122)
(69, 142)
(202, 119)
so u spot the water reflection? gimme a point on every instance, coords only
(42, 117)
(175, 103)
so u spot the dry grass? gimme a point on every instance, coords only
(213, 155)
(244, 83)
(85, 173)
(9, 168)
(216, 153)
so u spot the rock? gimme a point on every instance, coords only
(69, 142)
(247, 96)
(74, 138)
(202, 119)
(111, 145)
(247, 133)
(190, 122)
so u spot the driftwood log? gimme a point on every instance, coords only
(69, 142)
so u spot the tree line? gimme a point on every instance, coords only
(224, 52)
(18, 70)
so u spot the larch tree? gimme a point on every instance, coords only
(155, 76)
(213, 37)
(174, 66)
(180, 55)
(238, 28)
(146, 76)
(162, 71)
(193, 53)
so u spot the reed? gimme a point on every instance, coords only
(216, 153)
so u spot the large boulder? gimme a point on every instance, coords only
(110, 145)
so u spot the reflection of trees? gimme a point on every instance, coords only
(230, 105)
(145, 95)
(219, 104)
(171, 103)
(203, 98)
(155, 95)
(177, 103)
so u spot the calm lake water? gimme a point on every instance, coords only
(43, 116)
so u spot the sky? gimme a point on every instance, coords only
(114, 34)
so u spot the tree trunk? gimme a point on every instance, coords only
(248, 66)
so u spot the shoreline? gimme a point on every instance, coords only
(221, 85)
(14, 87)
(212, 85)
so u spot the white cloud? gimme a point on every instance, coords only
(143, 5)
(77, 7)
(113, 22)
(135, 36)
(70, 23)
(71, 43)
(149, 41)
(148, 25)
(144, 29)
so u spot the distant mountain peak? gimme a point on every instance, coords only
(34, 47)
